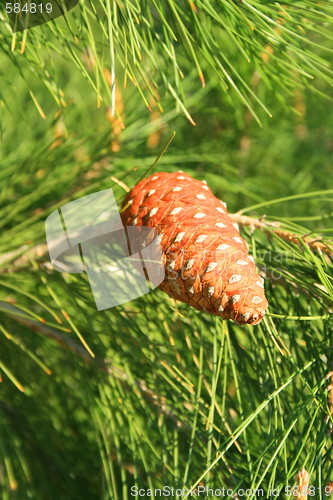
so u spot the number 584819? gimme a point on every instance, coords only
(31, 8)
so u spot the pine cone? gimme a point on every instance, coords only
(207, 264)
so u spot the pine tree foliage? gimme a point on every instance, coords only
(153, 393)
(155, 45)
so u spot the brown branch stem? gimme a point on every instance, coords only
(269, 226)
(25, 254)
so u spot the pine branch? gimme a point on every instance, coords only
(21, 257)
(273, 227)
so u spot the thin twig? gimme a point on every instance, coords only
(24, 256)
(270, 226)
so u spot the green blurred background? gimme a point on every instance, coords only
(173, 396)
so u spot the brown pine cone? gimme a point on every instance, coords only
(207, 264)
